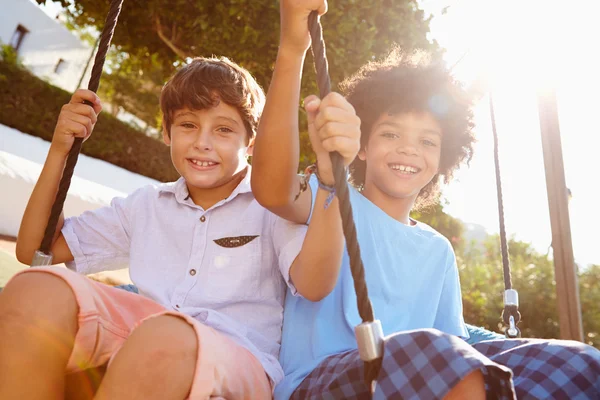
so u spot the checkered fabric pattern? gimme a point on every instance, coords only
(426, 364)
(548, 369)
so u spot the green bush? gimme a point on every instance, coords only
(31, 105)
(9, 55)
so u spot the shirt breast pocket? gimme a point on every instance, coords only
(235, 270)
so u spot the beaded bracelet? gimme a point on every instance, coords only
(312, 169)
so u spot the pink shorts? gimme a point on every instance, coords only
(107, 316)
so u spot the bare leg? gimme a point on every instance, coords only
(157, 361)
(472, 387)
(38, 323)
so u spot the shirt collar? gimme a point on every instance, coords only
(180, 190)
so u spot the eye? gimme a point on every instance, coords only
(224, 129)
(390, 135)
(429, 143)
(187, 125)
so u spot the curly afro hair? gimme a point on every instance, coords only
(401, 83)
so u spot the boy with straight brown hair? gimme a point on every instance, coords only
(210, 263)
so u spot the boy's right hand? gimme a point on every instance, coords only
(333, 126)
(76, 119)
(294, 22)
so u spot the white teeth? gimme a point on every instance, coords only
(203, 163)
(404, 168)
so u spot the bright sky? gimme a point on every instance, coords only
(525, 45)
(50, 8)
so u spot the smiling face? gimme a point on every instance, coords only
(208, 147)
(402, 155)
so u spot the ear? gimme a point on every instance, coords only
(166, 136)
(250, 148)
(362, 154)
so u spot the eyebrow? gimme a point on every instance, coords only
(233, 121)
(191, 114)
(400, 126)
(183, 114)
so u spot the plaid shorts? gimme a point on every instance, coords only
(427, 364)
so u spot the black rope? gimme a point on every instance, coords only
(509, 310)
(65, 182)
(365, 309)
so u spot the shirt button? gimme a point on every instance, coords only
(177, 305)
(192, 272)
(202, 218)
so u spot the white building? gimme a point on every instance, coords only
(45, 46)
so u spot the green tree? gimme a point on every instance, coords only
(589, 293)
(9, 55)
(248, 30)
(532, 275)
(126, 87)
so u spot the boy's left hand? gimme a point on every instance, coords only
(332, 126)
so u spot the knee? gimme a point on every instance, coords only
(36, 295)
(166, 338)
(577, 355)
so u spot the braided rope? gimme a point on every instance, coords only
(509, 310)
(65, 182)
(365, 308)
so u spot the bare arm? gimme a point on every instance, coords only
(315, 271)
(76, 120)
(37, 213)
(332, 126)
(276, 154)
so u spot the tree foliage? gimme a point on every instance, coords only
(482, 282)
(126, 88)
(248, 31)
(532, 275)
(589, 294)
(153, 37)
(31, 105)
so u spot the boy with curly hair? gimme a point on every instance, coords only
(416, 129)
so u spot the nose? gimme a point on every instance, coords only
(203, 140)
(407, 146)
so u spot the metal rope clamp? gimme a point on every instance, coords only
(41, 259)
(369, 337)
(511, 298)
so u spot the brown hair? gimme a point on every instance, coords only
(204, 82)
(400, 83)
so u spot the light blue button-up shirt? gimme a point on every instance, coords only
(226, 266)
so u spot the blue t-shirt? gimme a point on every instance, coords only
(412, 280)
